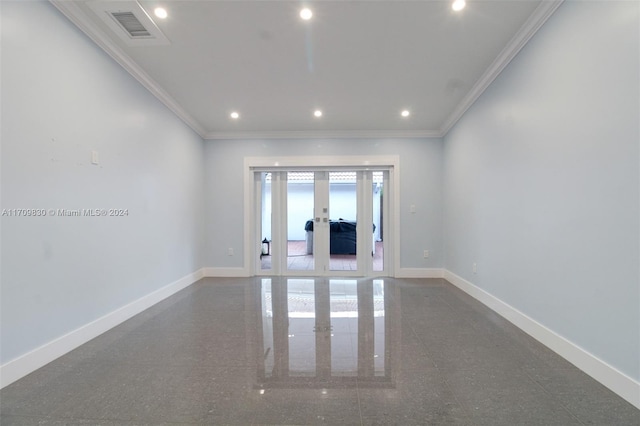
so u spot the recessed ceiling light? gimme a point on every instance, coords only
(235, 115)
(160, 12)
(458, 5)
(306, 13)
(405, 113)
(317, 113)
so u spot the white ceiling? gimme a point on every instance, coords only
(361, 62)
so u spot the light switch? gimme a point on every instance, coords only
(94, 157)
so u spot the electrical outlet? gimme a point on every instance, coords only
(230, 251)
(475, 268)
(426, 254)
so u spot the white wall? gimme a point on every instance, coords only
(542, 182)
(420, 180)
(63, 97)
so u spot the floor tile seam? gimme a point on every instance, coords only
(163, 364)
(417, 338)
(452, 319)
(552, 396)
(27, 414)
(468, 304)
(40, 417)
(433, 355)
(84, 419)
(444, 301)
(359, 404)
(55, 416)
(95, 395)
(423, 346)
(464, 405)
(148, 419)
(93, 399)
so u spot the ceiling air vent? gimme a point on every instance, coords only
(130, 22)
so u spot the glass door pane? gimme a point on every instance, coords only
(378, 220)
(343, 208)
(300, 213)
(265, 221)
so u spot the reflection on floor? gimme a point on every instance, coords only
(265, 351)
(299, 260)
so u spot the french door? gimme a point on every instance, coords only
(321, 222)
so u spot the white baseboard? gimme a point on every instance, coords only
(419, 273)
(623, 385)
(239, 272)
(39, 357)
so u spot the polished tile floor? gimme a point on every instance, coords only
(313, 351)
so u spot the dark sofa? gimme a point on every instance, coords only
(342, 236)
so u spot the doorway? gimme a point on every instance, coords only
(322, 220)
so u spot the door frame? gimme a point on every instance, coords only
(391, 163)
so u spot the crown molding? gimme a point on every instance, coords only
(528, 30)
(78, 17)
(323, 134)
